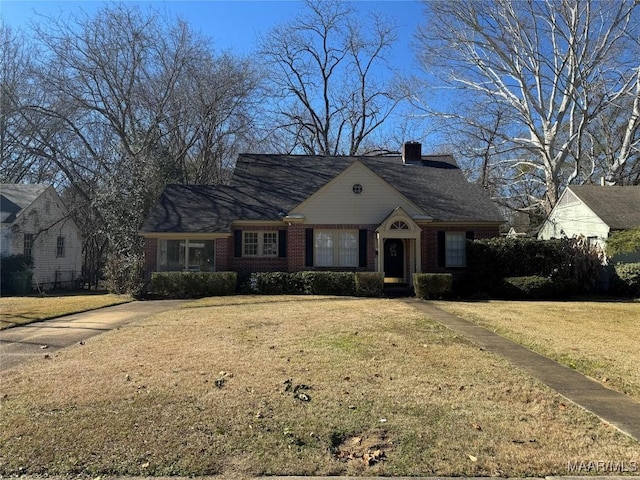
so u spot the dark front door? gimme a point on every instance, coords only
(394, 258)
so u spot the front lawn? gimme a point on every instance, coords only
(599, 339)
(22, 310)
(244, 386)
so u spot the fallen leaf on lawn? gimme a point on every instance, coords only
(476, 426)
(302, 397)
(472, 458)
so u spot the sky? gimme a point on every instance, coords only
(233, 25)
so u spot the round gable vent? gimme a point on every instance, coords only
(357, 189)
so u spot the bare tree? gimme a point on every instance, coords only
(18, 91)
(556, 65)
(324, 73)
(126, 103)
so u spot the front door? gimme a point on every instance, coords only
(394, 260)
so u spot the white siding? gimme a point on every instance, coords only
(336, 203)
(572, 218)
(47, 218)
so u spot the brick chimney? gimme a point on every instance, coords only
(412, 153)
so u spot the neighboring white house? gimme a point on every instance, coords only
(593, 212)
(34, 221)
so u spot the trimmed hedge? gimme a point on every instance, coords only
(369, 284)
(432, 285)
(627, 279)
(193, 284)
(310, 283)
(570, 263)
(532, 287)
(328, 283)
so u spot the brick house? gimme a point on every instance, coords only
(35, 222)
(393, 214)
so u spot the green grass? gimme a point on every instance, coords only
(23, 310)
(210, 389)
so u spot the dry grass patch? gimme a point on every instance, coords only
(599, 339)
(23, 310)
(244, 386)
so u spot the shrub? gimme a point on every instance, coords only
(328, 283)
(15, 274)
(624, 241)
(277, 283)
(432, 285)
(570, 262)
(369, 284)
(529, 287)
(193, 284)
(124, 274)
(627, 279)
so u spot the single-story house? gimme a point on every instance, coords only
(594, 212)
(394, 214)
(35, 222)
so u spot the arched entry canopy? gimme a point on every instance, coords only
(398, 247)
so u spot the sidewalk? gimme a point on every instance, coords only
(612, 407)
(43, 339)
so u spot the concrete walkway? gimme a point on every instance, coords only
(614, 408)
(19, 344)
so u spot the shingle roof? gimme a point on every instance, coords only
(16, 197)
(618, 207)
(265, 187)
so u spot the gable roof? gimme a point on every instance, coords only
(618, 207)
(267, 187)
(437, 186)
(16, 197)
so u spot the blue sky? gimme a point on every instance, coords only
(233, 25)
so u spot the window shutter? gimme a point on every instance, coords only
(282, 243)
(442, 254)
(308, 248)
(362, 248)
(471, 235)
(237, 243)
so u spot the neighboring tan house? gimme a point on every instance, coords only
(594, 212)
(35, 222)
(391, 214)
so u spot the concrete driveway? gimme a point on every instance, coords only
(18, 344)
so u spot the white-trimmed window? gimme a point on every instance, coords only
(336, 248)
(455, 248)
(259, 244)
(186, 255)
(28, 245)
(60, 246)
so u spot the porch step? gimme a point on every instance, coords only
(398, 290)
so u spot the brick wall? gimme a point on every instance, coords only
(429, 240)
(297, 243)
(150, 256)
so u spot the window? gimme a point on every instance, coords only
(28, 245)
(357, 188)
(455, 243)
(336, 248)
(60, 246)
(260, 244)
(250, 247)
(399, 225)
(188, 255)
